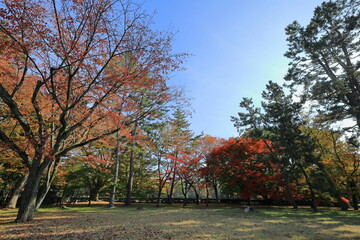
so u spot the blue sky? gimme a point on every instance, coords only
(238, 46)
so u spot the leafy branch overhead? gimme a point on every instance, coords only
(325, 59)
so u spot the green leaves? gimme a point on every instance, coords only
(324, 58)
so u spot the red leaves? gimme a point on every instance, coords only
(347, 201)
(245, 162)
(187, 167)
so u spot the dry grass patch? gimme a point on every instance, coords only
(99, 222)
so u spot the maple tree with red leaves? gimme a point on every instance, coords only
(186, 166)
(209, 173)
(244, 163)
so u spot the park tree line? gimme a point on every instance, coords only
(86, 109)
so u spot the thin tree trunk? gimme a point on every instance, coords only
(130, 183)
(216, 191)
(289, 194)
(185, 200)
(50, 178)
(94, 195)
(197, 196)
(69, 198)
(116, 172)
(3, 195)
(43, 190)
(11, 203)
(314, 205)
(129, 187)
(207, 195)
(90, 195)
(343, 205)
(172, 186)
(161, 182)
(158, 196)
(355, 202)
(167, 194)
(185, 191)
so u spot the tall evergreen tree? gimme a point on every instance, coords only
(325, 58)
(282, 120)
(182, 139)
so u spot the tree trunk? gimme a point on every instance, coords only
(161, 181)
(185, 200)
(207, 195)
(185, 191)
(43, 190)
(314, 205)
(51, 173)
(197, 196)
(216, 191)
(289, 194)
(11, 203)
(343, 205)
(94, 195)
(355, 202)
(172, 187)
(69, 198)
(42, 194)
(130, 183)
(28, 200)
(129, 186)
(116, 172)
(158, 196)
(90, 194)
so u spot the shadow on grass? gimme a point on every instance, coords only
(175, 222)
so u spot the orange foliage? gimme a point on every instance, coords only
(245, 162)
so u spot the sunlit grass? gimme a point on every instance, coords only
(176, 222)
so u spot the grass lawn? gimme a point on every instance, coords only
(175, 222)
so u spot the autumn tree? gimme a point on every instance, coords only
(60, 51)
(245, 168)
(13, 171)
(340, 161)
(209, 172)
(252, 122)
(182, 139)
(188, 171)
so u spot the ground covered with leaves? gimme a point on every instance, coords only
(176, 222)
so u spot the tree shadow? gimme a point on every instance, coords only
(176, 222)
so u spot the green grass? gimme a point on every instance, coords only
(175, 222)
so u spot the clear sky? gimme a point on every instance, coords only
(238, 46)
